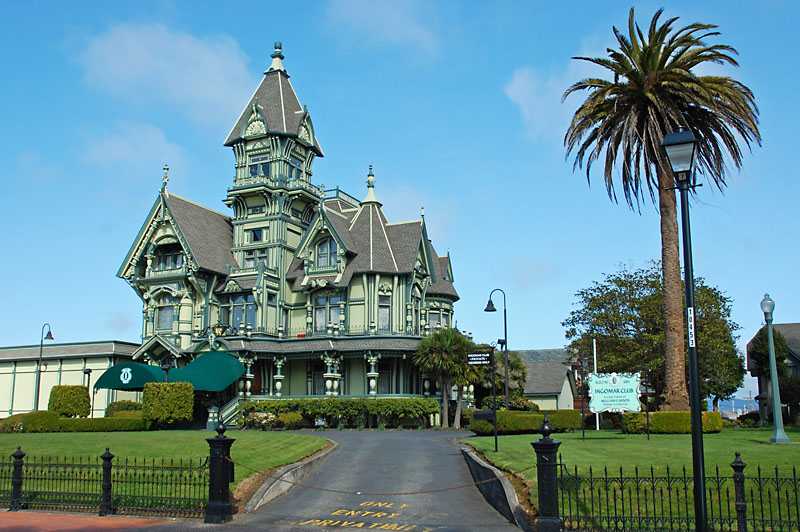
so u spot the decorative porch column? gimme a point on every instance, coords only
(372, 375)
(248, 378)
(426, 385)
(332, 376)
(278, 377)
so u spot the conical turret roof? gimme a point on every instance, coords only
(278, 105)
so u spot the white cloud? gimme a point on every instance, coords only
(135, 151)
(204, 78)
(387, 22)
(538, 94)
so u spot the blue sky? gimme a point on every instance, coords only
(456, 104)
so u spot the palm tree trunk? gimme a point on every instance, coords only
(445, 402)
(675, 395)
(459, 398)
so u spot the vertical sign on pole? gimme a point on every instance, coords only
(485, 357)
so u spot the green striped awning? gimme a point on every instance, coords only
(212, 372)
(129, 376)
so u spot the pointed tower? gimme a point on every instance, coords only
(272, 197)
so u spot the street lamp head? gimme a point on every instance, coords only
(490, 306)
(87, 371)
(49, 336)
(767, 305)
(681, 148)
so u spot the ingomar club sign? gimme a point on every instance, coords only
(614, 392)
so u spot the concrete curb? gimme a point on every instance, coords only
(274, 486)
(499, 492)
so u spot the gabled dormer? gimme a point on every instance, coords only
(324, 249)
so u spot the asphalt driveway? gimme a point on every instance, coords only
(381, 480)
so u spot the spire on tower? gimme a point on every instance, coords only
(277, 58)
(371, 188)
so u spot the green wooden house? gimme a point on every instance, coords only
(313, 290)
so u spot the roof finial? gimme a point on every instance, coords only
(321, 194)
(422, 211)
(277, 58)
(370, 188)
(164, 180)
(370, 178)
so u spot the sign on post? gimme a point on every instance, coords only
(479, 359)
(614, 392)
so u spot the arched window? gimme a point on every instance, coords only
(165, 312)
(326, 253)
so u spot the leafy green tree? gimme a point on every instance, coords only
(656, 89)
(790, 394)
(623, 313)
(758, 351)
(444, 354)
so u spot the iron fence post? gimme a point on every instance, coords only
(547, 474)
(220, 474)
(738, 486)
(106, 507)
(16, 481)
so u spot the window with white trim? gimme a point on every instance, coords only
(165, 312)
(384, 313)
(326, 310)
(259, 166)
(326, 253)
(238, 310)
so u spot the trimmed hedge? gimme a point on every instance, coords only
(45, 421)
(288, 420)
(165, 403)
(122, 406)
(69, 401)
(669, 422)
(520, 422)
(352, 412)
(129, 414)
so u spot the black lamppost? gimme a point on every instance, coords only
(681, 148)
(39, 366)
(88, 373)
(167, 363)
(778, 435)
(504, 341)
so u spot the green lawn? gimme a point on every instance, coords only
(614, 449)
(256, 450)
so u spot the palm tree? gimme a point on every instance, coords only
(444, 354)
(623, 122)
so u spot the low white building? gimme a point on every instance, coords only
(62, 364)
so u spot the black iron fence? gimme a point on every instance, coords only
(108, 485)
(649, 500)
(105, 484)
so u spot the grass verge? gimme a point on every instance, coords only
(256, 450)
(613, 449)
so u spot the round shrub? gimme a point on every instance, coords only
(165, 403)
(69, 401)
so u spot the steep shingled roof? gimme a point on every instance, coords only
(277, 103)
(208, 233)
(376, 246)
(545, 378)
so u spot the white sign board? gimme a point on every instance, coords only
(614, 392)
